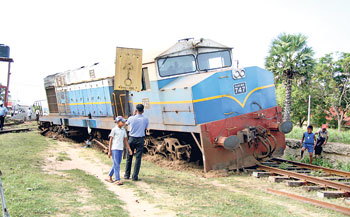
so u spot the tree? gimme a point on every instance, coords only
(299, 107)
(335, 79)
(290, 59)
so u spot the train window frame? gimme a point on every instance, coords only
(177, 74)
(222, 67)
(145, 82)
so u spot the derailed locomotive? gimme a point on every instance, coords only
(200, 105)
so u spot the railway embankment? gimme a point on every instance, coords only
(335, 152)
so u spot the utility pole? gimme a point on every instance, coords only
(3, 204)
(309, 111)
(9, 61)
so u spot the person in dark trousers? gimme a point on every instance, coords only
(322, 140)
(138, 125)
(3, 112)
(37, 115)
(308, 142)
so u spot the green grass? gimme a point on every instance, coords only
(334, 135)
(322, 162)
(284, 165)
(62, 156)
(31, 192)
(188, 194)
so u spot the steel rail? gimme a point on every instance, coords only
(314, 167)
(311, 179)
(14, 130)
(342, 209)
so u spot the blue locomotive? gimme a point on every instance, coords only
(201, 106)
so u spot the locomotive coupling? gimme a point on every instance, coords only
(229, 143)
(232, 142)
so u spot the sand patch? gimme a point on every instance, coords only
(80, 159)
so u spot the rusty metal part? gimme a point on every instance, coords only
(216, 157)
(342, 209)
(219, 141)
(313, 167)
(100, 144)
(303, 177)
(14, 130)
(170, 148)
(178, 151)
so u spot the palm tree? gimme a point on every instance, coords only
(290, 59)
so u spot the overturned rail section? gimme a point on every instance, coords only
(319, 203)
(314, 167)
(14, 130)
(306, 178)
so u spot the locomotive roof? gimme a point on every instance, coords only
(190, 46)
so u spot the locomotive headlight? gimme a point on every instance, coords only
(242, 73)
(236, 74)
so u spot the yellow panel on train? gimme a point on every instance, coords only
(128, 69)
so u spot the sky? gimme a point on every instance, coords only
(46, 37)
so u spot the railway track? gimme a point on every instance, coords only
(329, 183)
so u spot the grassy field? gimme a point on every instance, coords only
(31, 192)
(322, 162)
(188, 193)
(334, 135)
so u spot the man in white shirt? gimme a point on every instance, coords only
(29, 114)
(37, 115)
(117, 137)
(321, 140)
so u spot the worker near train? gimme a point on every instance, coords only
(138, 125)
(29, 114)
(322, 140)
(37, 115)
(117, 139)
(308, 142)
(3, 112)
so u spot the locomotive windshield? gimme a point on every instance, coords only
(177, 65)
(169, 66)
(214, 60)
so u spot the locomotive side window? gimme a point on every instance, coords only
(214, 60)
(145, 80)
(169, 66)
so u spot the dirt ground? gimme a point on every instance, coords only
(162, 202)
(91, 165)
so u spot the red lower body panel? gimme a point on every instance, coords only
(217, 157)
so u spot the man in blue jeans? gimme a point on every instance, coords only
(138, 125)
(117, 137)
